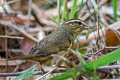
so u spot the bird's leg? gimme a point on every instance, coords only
(63, 61)
(70, 45)
(41, 68)
(69, 48)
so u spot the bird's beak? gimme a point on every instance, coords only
(88, 27)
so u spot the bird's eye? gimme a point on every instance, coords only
(79, 23)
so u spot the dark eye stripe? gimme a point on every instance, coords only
(78, 22)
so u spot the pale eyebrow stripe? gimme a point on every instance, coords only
(76, 21)
(73, 21)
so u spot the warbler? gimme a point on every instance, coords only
(57, 41)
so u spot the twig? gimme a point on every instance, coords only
(17, 73)
(46, 29)
(36, 73)
(13, 50)
(60, 58)
(39, 13)
(11, 37)
(87, 15)
(56, 71)
(64, 9)
(58, 8)
(47, 73)
(74, 52)
(9, 2)
(6, 48)
(29, 14)
(91, 36)
(109, 67)
(6, 41)
(96, 52)
(10, 24)
(102, 50)
(112, 47)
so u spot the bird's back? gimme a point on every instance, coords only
(53, 43)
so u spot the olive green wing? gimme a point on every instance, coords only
(44, 48)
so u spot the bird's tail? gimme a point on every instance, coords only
(23, 57)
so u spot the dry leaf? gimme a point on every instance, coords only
(27, 44)
(112, 38)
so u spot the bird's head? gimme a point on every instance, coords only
(75, 26)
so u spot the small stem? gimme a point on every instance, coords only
(63, 15)
(58, 7)
(29, 13)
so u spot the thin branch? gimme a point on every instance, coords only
(100, 50)
(10, 2)
(17, 27)
(56, 71)
(91, 36)
(36, 73)
(47, 73)
(11, 37)
(109, 67)
(29, 13)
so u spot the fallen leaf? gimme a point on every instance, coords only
(112, 38)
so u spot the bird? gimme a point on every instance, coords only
(55, 42)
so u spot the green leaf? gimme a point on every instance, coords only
(59, 5)
(88, 32)
(27, 73)
(114, 3)
(80, 57)
(72, 12)
(66, 11)
(83, 51)
(59, 8)
(103, 60)
(65, 75)
(79, 9)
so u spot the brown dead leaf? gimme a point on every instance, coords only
(27, 44)
(16, 19)
(112, 38)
